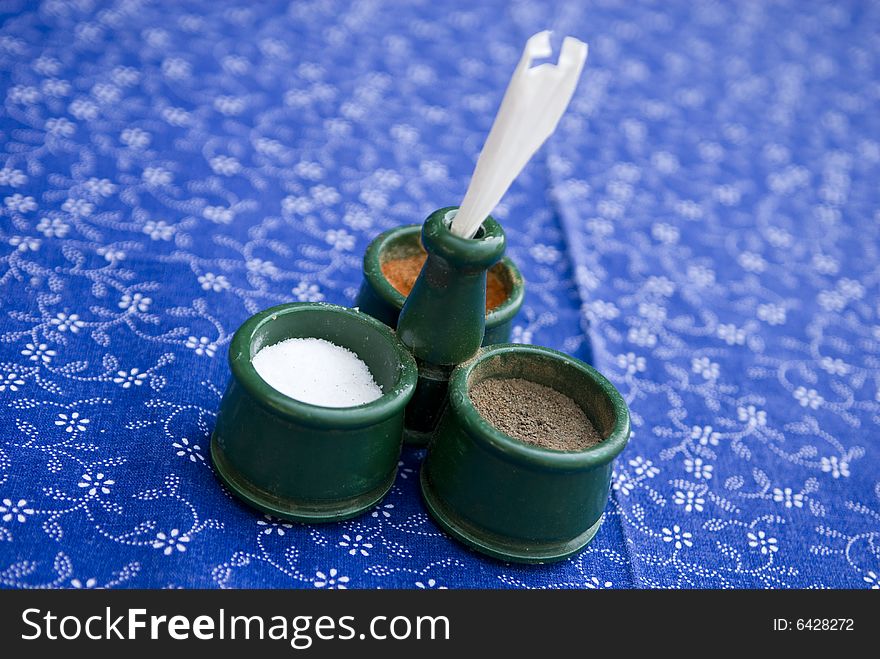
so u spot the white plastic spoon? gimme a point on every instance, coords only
(532, 106)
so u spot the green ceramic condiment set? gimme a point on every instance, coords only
(500, 496)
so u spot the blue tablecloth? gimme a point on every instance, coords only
(703, 227)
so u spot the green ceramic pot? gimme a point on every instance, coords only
(444, 317)
(306, 462)
(381, 300)
(512, 500)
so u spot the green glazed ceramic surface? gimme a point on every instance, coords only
(512, 500)
(381, 300)
(443, 319)
(306, 462)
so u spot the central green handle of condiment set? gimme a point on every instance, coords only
(500, 496)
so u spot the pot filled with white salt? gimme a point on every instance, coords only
(310, 427)
(519, 467)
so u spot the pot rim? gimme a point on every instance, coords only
(389, 403)
(373, 272)
(483, 432)
(482, 251)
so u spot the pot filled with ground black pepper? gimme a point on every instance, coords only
(392, 263)
(519, 467)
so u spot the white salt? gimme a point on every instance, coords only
(318, 372)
